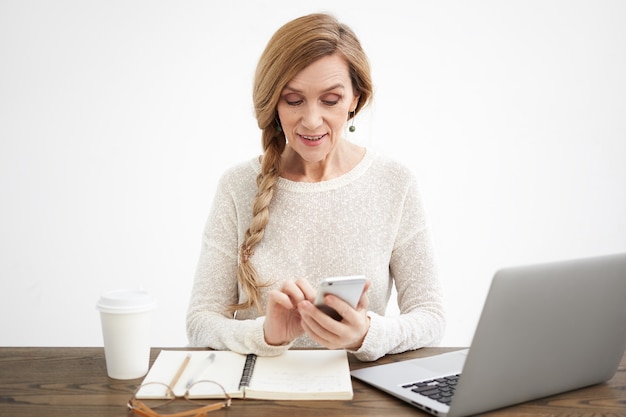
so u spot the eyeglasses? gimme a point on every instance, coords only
(146, 408)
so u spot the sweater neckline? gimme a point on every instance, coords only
(331, 184)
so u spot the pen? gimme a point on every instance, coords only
(199, 371)
(181, 369)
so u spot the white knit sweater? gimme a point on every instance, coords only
(368, 221)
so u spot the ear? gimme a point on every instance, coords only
(355, 102)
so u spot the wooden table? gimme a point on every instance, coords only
(66, 382)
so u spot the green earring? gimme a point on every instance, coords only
(352, 128)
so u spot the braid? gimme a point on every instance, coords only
(266, 182)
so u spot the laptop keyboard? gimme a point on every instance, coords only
(440, 389)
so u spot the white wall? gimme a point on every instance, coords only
(117, 117)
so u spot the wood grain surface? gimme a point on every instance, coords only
(67, 382)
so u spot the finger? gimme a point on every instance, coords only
(293, 291)
(320, 327)
(336, 335)
(344, 309)
(316, 318)
(306, 288)
(348, 333)
(364, 301)
(322, 338)
(279, 298)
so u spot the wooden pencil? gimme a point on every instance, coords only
(181, 369)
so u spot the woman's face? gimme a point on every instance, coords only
(314, 106)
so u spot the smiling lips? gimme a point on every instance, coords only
(313, 138)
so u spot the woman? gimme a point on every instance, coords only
(314, 205)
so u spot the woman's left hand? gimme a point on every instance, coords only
(348, 333)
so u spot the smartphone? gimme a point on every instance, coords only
(348, 288)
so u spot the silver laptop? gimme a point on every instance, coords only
(544, 329)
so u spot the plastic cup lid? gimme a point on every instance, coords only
(126, 301)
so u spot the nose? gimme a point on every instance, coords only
(312, 117)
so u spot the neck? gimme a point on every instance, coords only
(335, 164)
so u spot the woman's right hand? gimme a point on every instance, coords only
(282, 320)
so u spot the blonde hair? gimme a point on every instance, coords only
(295, 46)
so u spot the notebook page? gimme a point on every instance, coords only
(224, 367)
(302, 374)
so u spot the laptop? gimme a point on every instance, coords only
(544, 329)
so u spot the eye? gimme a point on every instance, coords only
(293, 99)
(331, 99)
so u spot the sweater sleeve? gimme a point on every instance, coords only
(215, 287)
(421, 321)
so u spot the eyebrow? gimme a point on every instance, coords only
(295, 90)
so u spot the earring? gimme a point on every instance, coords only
(352, 128)
(279, 128)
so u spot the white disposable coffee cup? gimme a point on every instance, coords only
(126, 318)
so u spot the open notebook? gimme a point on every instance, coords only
(294, 375)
